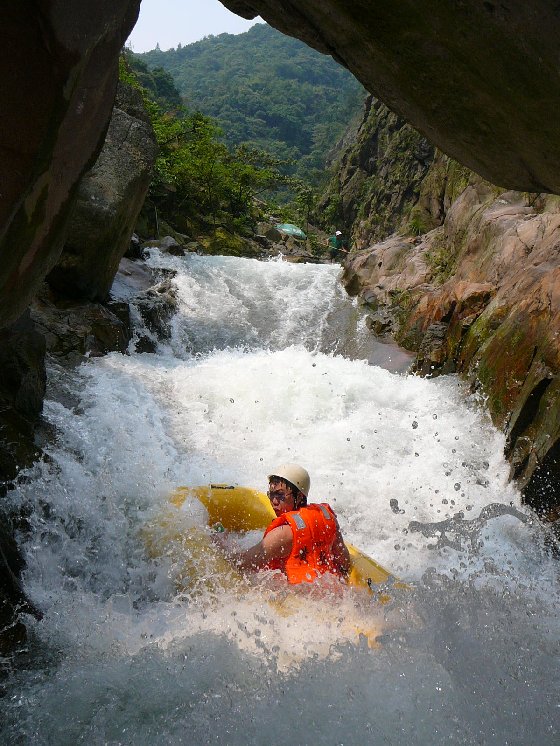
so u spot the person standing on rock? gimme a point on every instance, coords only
(337, 246)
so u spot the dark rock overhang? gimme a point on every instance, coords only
(479, 78)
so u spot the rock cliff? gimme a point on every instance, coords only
(100, 224)
(109, 199)
(478, 79)
(59, 63)
(480, 295)
(377, 178)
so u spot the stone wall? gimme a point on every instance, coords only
(109, 198)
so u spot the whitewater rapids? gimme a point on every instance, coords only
(270, 362)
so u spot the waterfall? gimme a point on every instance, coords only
(269, 362)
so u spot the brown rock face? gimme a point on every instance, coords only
(478, 78)
(481, 296)
(59, 75)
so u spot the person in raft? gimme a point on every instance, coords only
(304, 540)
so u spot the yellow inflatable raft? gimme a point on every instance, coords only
(237, 509)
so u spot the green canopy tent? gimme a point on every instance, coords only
(291, 230)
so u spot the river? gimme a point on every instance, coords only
(270, 362)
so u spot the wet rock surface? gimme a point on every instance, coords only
(22, 388)
(157, 306)
(12, 598)
(54, 130)
(479, 293)
(70, 332)
(467, 76)
(74, 330)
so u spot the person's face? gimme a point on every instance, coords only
(281, 498)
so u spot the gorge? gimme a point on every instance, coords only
(470, 274)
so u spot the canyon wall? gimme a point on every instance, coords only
(479, 79)
(479, 295)
(59, 63)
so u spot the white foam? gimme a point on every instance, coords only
(250, 379)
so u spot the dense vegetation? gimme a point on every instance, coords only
(199, 183)
(267, 91)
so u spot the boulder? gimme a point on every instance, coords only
(270, 232)
(131, 278)
(157, 305)
(74, 329)
(109, 200)
(170, 245)
(224, 243)
(263, 241)
(135, 250)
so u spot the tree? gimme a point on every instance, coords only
(304, 201)
(268, 91)
(197, 178)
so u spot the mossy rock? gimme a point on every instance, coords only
(165, 229)
(223, 243)
(503, 362)
(481, 331)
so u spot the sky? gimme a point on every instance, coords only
(173, 22)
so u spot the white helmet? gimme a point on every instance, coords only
(294, 474)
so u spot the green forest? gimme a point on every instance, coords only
(266, 91)
(199, 182)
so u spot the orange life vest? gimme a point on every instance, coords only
(314, 530)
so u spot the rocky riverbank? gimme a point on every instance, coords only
(479, 296)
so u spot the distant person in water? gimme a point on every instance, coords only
(337, 246)
(303, 541)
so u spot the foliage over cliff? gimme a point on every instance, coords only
(267, 90)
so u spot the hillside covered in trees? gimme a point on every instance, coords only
(268, 91)
(199, 183)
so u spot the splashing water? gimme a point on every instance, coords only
(268, 362)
